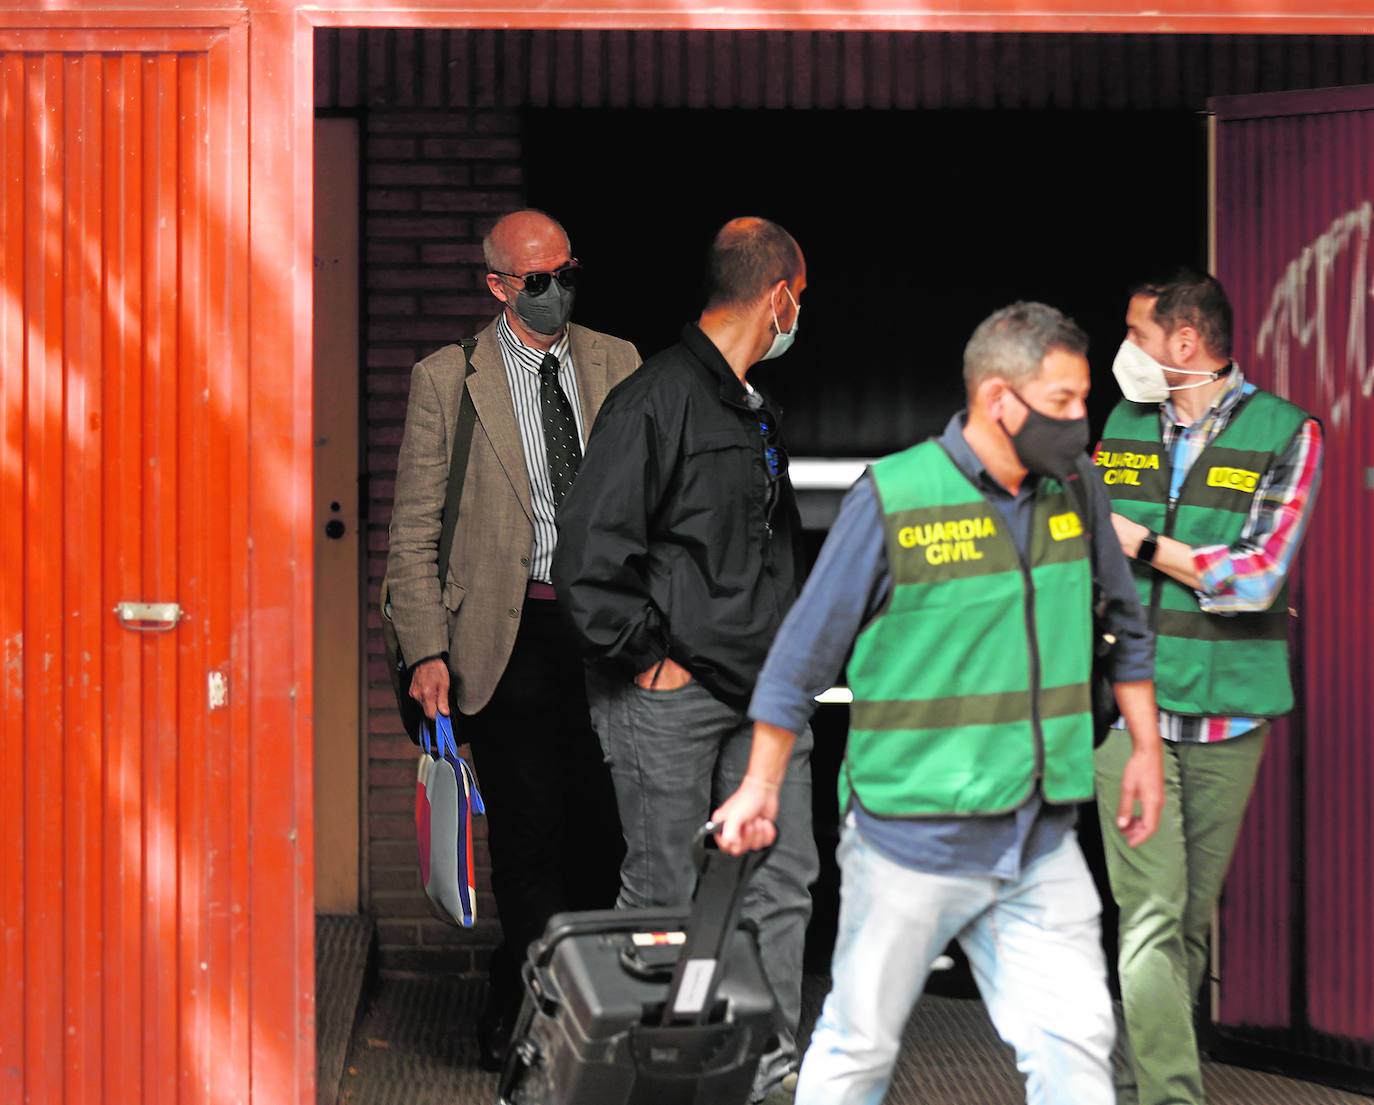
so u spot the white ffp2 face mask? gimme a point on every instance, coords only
(1141, 377)
(783, 339)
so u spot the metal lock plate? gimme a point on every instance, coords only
(148, 617)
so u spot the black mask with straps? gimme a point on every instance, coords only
(1047, 446)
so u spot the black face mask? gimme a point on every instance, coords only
(1048, 446)
(548, 313)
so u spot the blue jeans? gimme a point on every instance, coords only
(1036, 952)
(674, 756)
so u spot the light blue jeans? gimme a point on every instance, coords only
(1036, 952)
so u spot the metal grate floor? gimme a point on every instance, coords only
(342, 945)
(414, 1046)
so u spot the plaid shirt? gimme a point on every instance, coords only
(1247, 575)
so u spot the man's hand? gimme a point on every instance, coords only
(429, 686)
(1141, 782)
(747, 820)
(1129, 533)
(666, 675)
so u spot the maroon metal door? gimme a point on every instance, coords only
(1294, 213)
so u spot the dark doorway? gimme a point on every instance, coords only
(915, 227)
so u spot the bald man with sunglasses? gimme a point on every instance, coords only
(491, 644)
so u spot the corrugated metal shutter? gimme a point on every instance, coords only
(124, 809)
(1295, 210)
(822, 69)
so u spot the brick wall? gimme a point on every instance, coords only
(443, 152)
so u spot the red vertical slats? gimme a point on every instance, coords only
(590, 76)
(350, 50)
(122, 319)
(1340, 863)
(723, 82)
(618, 71)
(281, 875)
(132, 973)
(699, 67)
(83, 745)
(773, 70)
(378, 84)
(853, 69)
(1257, 907)
(162, 1027)
(43, 531)
(404, 51)
(431, 71)
(566, 89)
(226, 532)
(668, 79)
(198, 1065)
(1295, 217)
(645, 66)
(802, 88)
(882, 77)
(484, 60)
(293, 658)
(513, 69)
(741, 79)
(13, 463)
(540, 75)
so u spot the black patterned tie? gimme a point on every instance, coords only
(560, 430)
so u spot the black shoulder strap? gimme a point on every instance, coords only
(457, 465)
(1076, 484)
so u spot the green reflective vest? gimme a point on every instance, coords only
(1210, 665)
(971, 685)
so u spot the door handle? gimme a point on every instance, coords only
(148, 617)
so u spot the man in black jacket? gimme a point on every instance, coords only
(679, 553)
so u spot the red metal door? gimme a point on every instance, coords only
(1295, 210)
(123, 937)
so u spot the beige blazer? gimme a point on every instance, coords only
(476, 617)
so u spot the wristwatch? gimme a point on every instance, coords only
(1149, 545)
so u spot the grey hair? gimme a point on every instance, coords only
(1013, 342)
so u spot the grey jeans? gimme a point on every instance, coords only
(674, 756)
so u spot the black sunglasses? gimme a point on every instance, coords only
(537, 283)
(774, 455)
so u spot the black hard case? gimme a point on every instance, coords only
(596, 1027)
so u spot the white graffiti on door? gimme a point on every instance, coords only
(1300, 311)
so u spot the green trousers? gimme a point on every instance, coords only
(1167, 889)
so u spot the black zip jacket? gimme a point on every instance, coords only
(667, 545)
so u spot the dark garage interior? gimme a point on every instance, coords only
(915, 226)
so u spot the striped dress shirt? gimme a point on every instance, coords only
(1247, 575)
(522, 373)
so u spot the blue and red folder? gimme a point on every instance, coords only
(446, 797)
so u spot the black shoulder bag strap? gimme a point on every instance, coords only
(457, 465)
